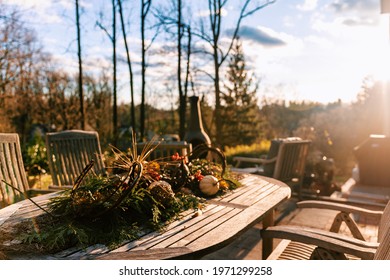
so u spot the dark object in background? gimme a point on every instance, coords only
(319, 176)
(373, 157)
(196, 134)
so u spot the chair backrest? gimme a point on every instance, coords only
(11, 169)
(165, 150)
(384, 222)
(69, 152)
(291, 160)
(383, 251)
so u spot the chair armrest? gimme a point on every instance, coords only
(253, 160)
(340, 207)
(324, 239)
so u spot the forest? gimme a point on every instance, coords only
(37, 96)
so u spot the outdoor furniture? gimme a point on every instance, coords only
(194, 235)
(285, 161)
(353, 192)
(69, 152)
(370, 183)
(164, 150)
(12, 171)
(309, 243)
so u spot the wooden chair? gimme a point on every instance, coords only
(309, 243)
(12, 171)
(285, 161)
(69, 152)
(165, 150)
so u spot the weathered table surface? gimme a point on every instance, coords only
(224, 219)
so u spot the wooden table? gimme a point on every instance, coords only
(193, 236)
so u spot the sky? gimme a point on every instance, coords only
(304, 50)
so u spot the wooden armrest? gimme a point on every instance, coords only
(324, 239)
(253, 160)
(340, 207)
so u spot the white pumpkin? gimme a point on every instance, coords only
(209, 185)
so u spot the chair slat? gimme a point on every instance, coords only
(11, 169)
(164, 150)
(70, 151)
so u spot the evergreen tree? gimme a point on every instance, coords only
(240, 114)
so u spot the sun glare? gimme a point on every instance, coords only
(381, 68)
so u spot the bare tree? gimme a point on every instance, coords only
(145, 8)
(219, 54)
(132, 106)
(80, 86)
(170, 18)
(115, 106)
(112, 37)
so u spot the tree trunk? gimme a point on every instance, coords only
(132, 106)
(184, 108)
(181, 95)
(115, 106)
(217, 113)
(145, 5)
(81, 95)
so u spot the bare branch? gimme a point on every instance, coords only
(206, 73)
(254, 10)
(153, 39)
(243, 14)
(98, 24)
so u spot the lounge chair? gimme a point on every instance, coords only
(299, 243)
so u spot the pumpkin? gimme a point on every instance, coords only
(209, 185)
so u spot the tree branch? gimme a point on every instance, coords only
(98, 24)
(243, 14)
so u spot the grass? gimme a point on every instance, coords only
(42, 181)
(254, 150)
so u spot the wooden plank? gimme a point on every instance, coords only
(91, 250)
(249, 184)
(144, 237)
(204, 230)
(188, 234)
(237, 224)
(7, 212)
(188, 225)
(252, 197)
(152, 254)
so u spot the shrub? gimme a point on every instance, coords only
(254, 150)
(35, 157)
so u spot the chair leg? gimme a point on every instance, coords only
(351, 224)
(268, 221)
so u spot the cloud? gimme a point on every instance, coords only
(355, 13)
(308, 5)
(41, 11)
(360, 22)
(259, 36)
(206, 13)
(342, 6)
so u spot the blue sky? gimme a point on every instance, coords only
(318, 50)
